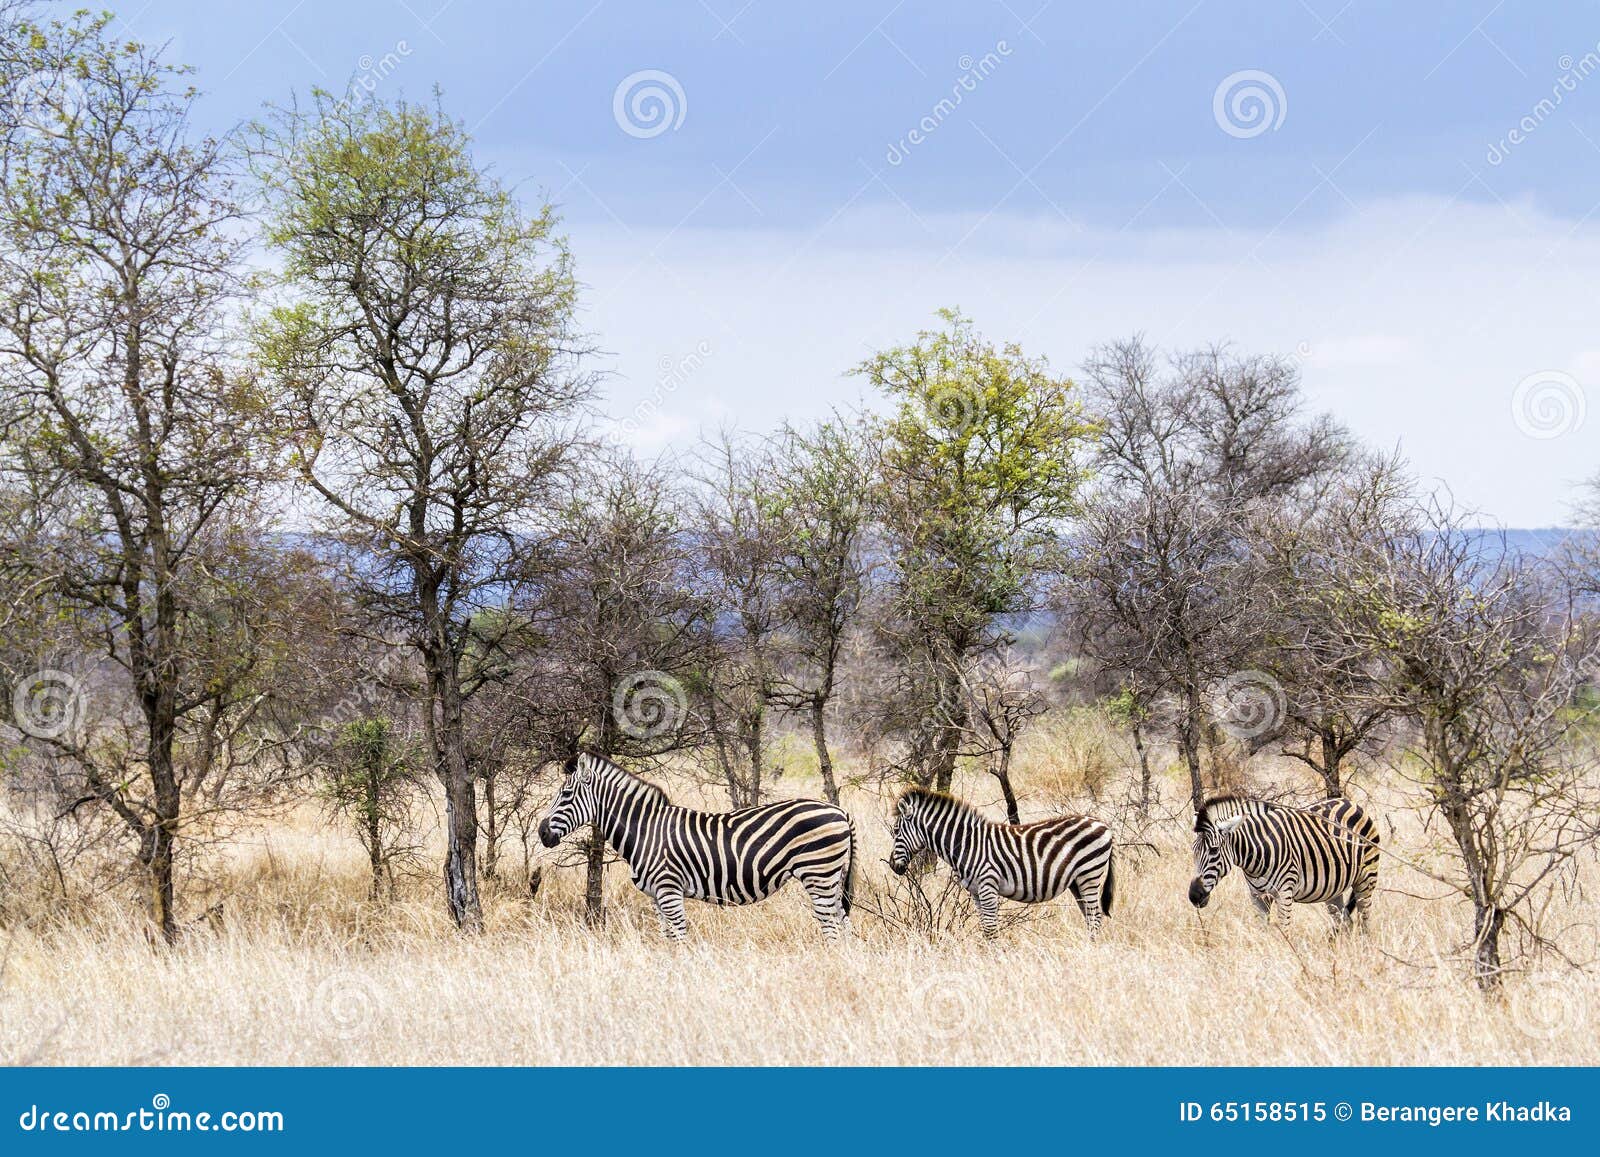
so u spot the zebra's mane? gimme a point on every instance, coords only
(926, 795)
(1229, 802)
(603, 764)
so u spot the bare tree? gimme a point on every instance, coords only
(425, 355)
(1486, 651)
(136, 432)
(1160, 580)
(824, 489)
(623, 622)
(1335, 696)
(739, 532)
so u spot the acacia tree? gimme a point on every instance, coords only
(1336, 699)
(823, 490)
(138, 438)
(424, 352)
(739, 533)
(978, 467)
(1487, 652)
(1160, 581)
(622, 627)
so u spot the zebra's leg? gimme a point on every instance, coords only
(1282, 908)
(1089, 903)
(1263, 903)
(1340, 914)
(827, 902)
(988, 901)
(1361, 897)
(669, 906)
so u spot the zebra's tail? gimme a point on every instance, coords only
(850, 872)
(1108, 890)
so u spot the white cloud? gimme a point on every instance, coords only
(1414, 319)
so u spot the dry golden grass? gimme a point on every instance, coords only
(306, 971)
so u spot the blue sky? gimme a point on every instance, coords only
(1379, 222)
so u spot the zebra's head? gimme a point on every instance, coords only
(910, 836)
(574, 803)
(1211, 859)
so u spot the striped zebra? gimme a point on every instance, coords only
(1027, 862)
(1288, 855)
(734, 857)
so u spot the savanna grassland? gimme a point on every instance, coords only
(299, 967)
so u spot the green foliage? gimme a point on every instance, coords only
(981, 462)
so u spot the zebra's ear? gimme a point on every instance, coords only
(1223, 827)
(571, 766)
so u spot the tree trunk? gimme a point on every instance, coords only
(1331, 758)
(1002, 772)
(491, 827)
(156, 855)
(594, 898)
(757, 742)
(1487, 925)
(374, 834)
(461, 803)
(156, 842)
(1144, 769)
(1189, 724)
(819, 736)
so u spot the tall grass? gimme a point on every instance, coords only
(300, 967)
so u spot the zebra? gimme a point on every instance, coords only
(1028, 862)
(734, 857)
(1288, 855)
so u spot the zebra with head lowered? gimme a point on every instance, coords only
(734, 857)
(1326, 853)
(1027, 862)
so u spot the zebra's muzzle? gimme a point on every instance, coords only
(1199, 894)
(898, 867)
(547, 837)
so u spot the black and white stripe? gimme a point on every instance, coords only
(1326, 853)
(1027, 862)
(734, 857)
